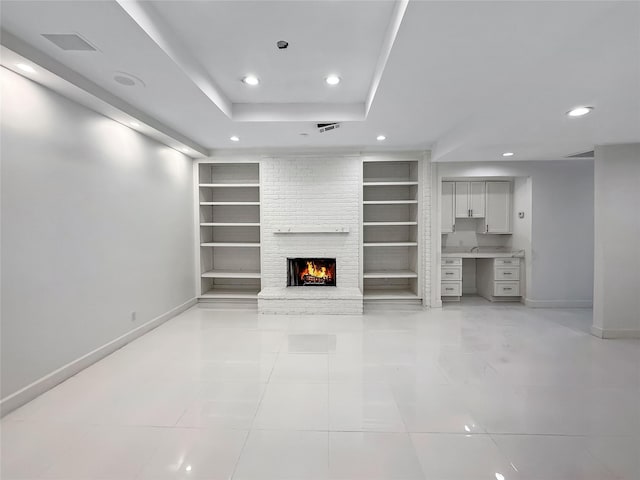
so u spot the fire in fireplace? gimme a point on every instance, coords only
(311, 271)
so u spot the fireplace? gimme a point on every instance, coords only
(319, 272)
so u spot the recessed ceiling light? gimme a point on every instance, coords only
(507, 154)
(234, 138)
(381, 138)
(134, 124)
(332, 80)
(579, 111)
(185, 150)
(251, 80)
(26, 68)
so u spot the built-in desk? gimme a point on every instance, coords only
(497, 274)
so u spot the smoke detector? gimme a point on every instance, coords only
(326, 127)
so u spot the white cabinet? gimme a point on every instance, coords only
(447, 220)
(498, 208)
(470, 199)
(498, 278)
(451, 278)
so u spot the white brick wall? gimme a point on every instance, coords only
(321, 191)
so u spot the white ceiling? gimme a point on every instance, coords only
(468, 79)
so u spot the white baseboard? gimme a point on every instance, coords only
(37, 388)
(611, 333)
(558, 303)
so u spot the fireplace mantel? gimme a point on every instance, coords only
(312, 229)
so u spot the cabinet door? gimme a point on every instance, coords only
(462, 200)
(498, 213)
(448, 207)
(477, 199)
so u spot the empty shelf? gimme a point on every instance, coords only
(232, 292)
(229, 244)
(230, 185)
(228, 224)
(389, 184)
(387, 224)
(229, 203)
(389, 294)
(229, 274)
(390, 274)
(389, 202)
(391, 244)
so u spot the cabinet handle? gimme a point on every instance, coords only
(468, 213)
(487, 230)
(448, 289)
(507, 288)
(507, 273)
(453, 228)
(448, 273)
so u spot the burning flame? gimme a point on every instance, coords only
(313, 271)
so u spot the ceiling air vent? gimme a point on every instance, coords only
(70, 42)
(326, 127)
(589, 154)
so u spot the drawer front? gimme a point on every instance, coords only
(451, 273)
(506, 289)
(506, 262)
(507, 273)
(451, 289)
(451, 261)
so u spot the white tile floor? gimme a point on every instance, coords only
(474, 391)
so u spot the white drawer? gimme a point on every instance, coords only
(451, 273)
(451, 289)
(506, 289)
(451, 261)
(506, 261)
(507, 273)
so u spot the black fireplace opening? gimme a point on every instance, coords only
(319, 272)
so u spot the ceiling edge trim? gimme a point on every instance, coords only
(389, 39)
(298, 112)
(82, 90)
(157, 29)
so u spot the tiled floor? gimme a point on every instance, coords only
(474, 391)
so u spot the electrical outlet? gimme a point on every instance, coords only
(133, 316)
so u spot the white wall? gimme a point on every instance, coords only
(560, 264)
(96, 224)
(616, 302)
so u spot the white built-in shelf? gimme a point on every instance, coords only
(230, 185)
(232, 292)
(387, 224)
(391, 244)
(389, 202)
(230, 244)
(389, 184)
(389, 294)
(391, 274)
(229, 203)
(228, 224)
(229, 274)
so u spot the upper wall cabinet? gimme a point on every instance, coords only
(447, 220)
(470, 199)
(498, 213)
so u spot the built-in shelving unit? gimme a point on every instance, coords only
(228, 223)
(391, 256)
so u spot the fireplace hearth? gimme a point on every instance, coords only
(317, 272)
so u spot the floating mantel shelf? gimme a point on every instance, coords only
(312, 229)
